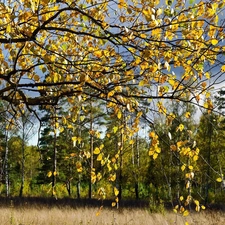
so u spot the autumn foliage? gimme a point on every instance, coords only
(130, 55)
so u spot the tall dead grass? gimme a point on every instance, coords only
(91, 216)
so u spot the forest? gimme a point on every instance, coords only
(126, 99)
(84, 160)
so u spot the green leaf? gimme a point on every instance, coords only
(115, 129)
(64, 46)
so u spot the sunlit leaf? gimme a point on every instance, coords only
(183, 167)
(223, 68)
(115, 129)
(190, 167)
(219, 179)
(151, 152)
(186, 213)
(195, 157)
(49, 174)
(180, 127)
(188, 115)
(96, 151)
(116, 191)
(155, 155)
(99, 158)
(112, 177)
(214, 41)
(119, 114)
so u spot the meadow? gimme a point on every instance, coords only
(87, 216)
(67, 215)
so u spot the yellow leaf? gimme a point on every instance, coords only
(119, 115)
(203, 207)
(99, 158)
(113, 204)
(179, 144)
(223, 68)
(151, 152)
(152, 135)
(116, 191)
(207, 75)
(109, 167)
(207, 94)
(188, 115)
(195, 158)
(112, 177)
(115, 129)
(181, 127)
(144, 65)
(79, 167)
(214, 41)
(186, 213)
(8, 28)
(219, 179)
(196, 202)
(190, 167)
(158, 150)
(70, 126)
(143, 35)
(174, 210)
(82, 118)
(183, 167)
(49, 174)
(122, 4)
(99, 176)
(96, 151)
(93, 177)
(181, 198)
(197, 208)
(186, 223)
(74, 138)
(98, 53)
(155, 156)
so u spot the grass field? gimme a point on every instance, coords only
(92, 216)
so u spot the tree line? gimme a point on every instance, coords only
(94, 157)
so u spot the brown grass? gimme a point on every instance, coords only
(87, 216)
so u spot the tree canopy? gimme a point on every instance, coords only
(122, 52)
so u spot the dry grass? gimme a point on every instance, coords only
(84, 216)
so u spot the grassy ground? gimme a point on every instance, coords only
(92, 216)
